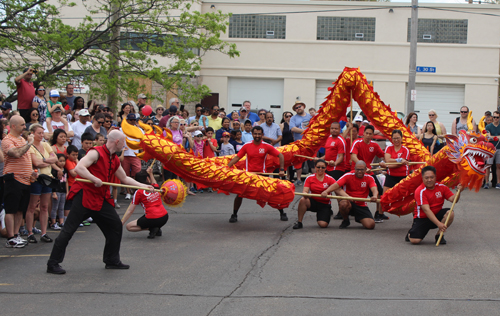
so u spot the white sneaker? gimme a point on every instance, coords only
(21, 240)
(117, 205)
(90, 220)
(55, 227)
(13, 243)
(128, 197)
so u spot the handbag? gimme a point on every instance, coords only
(48, 181)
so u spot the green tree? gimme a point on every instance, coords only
(112, 43)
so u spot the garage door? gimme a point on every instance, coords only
(445, 99)
(262, 93)
(322, 92)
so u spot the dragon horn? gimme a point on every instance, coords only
(470, 126)
(481, 125)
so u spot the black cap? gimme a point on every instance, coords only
(6, 105)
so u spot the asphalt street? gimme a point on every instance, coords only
(204, 265)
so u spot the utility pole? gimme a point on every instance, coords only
(114, 51)
(410, 105)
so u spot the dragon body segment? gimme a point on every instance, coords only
(462, 160)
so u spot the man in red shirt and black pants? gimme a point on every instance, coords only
(94, 200)
(256, 152)
(25, 93)
(430, 213)
(366, 150)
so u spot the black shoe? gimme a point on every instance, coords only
(283, 217)
(118, 266)
(383, 217)
(407, 239)
(345, 224)
(158, 233)
(233, 219)
(55, 269)
(152, 232)
(31, 239)
(338, 216)
(443, 241)
(377, 218)
(298, 225)
(46, 238)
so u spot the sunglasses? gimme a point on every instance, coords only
(262, 114)
(320, 167)
(287, 116)
(183, 124)
(496, 117)
(100, 122)
(150, 124)
(432, 114)
(41, 89)
(35, 114)
(464, 111)
(199, 136)
(108, 121)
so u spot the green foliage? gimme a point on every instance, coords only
(163, 40)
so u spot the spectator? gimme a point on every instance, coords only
(175, 102)
(131, 163)
(25, 92)
(272, 131)
(460, 123)
(59, 195)
(214, 121)
(70, 97)
(439, 127)
(6, 107)
(262, 117)
(226, 148)
(44, 159)
(78, 105)
(429, 137)
(493, 130)
(197, 145)
(97, 126)
(87, 143)
(235, 117)
(159, 114)
(99, 140)
(236, 125)
(34, 115)
(203, 122)
(224, 128)
(148, 121)
(58, 141)
(52, 105)
(57, 123)
(108, 122)
(210, 144)
(17, 177)
(250, 115)
(236, 140)
(40, 103)
(222, 113)
(411, 122)
(2, 136)
(172, 112)
(185, 115)
(246, 135)
(197, 109)
(298, 124)
(312, 112)
(141, 100)
(80, 127)
(124, 112)
(243, 115)
(287, 137)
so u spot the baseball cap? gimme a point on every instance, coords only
(6, 105)
(358, 118)
(84, 112)
(172, 108)
(58, 109)
(365, 121)
(225, 134)
(131, 116)
(243, 109)
(298, 103)
(142, 96)
(196, 133)
(54, 93)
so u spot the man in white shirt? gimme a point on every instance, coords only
(80, 126)
(57, 123)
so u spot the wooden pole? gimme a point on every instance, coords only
(400, 163)
(350, 100)
(119, 185)
(154, 160)
(336, 197)
(307, 157)
(378, 169)
(448, 218)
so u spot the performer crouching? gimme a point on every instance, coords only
(155, 215)
(430, 213)
(316, 184)
(357, 184)
(94, 200)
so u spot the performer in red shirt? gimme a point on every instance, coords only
(316, 184)
(366, 150)
(256, 152)
(356, 184)
(395, 153)
(94, 200)
(430, 214)
(155, 215)
(335, 152)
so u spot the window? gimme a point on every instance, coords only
(257, 26)
(335, 28)
(440, 31)
(140, 41)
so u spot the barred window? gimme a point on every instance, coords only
(141, 41)
(440, 31)
(336, 28)
(257, 26)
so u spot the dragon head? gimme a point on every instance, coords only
(470, 151)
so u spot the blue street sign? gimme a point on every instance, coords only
(426, 69)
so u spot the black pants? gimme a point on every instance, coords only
(106, 219)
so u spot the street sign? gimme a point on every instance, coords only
(426, 69)
(414, 95)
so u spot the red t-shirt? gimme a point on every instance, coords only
(357, 187)
(256, 155)
(366, 152)
(347, 156)
(317, 187)
(403, 152)
(335, 146)
(25, 94)
(434, 198)
(70, 165)
(207, 150)
(150, 202)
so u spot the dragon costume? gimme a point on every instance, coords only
(461, 161)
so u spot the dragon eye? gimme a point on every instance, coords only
(473, 140)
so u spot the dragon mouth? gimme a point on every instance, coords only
(476, 158)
